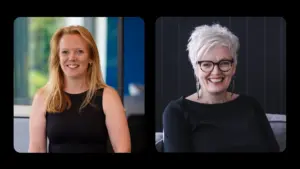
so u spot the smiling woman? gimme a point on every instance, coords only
(32, 37)
(76, 110)
(215, 119)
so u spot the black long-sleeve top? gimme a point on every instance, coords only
(239, 125)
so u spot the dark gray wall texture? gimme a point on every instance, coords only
(261, 70)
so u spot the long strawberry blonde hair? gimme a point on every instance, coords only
(56, 98)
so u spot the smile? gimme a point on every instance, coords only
(216, 80)
(73, 66)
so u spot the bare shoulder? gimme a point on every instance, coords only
(111, 98)
(39, 97)
(110, 94)
(39, 102)
(40, 94)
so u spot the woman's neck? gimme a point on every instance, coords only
(208, 98)
(75, 86)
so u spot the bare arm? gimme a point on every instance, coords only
(116, 121)
(37, 125)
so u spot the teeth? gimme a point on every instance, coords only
(216, 80)
(73, 66)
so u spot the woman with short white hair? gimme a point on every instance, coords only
(214, 118)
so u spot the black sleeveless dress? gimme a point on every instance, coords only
(72, 131)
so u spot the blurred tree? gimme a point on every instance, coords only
(41, 30)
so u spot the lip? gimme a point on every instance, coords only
(72, 67)
(216, 78)
(219, 78)
(77, 65)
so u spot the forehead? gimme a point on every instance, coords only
(71, 41)
(217, 53)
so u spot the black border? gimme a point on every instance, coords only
(149, 112)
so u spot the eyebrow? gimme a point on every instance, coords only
(231, 60)
(225, 59)
(71, 48)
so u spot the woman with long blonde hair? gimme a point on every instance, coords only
(76, 110)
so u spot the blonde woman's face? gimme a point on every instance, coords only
(73, 55)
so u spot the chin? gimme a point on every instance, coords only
(72, 73)
(217, 87)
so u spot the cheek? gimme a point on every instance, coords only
(203, 78)
(84, 64)
(228, 79)
(62, 60)
(85, 60)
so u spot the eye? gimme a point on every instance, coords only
(206, 64)
(64, 52)
(225, 63)
(80, 51)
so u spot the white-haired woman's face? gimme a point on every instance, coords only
(216, 78)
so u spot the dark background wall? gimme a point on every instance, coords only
(261, 70)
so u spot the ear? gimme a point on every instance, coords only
(90, 61)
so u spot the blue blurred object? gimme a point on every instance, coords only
(133, 52)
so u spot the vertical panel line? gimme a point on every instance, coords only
(247, 47)
(178, 56)
(281, 55)
(161, 59)
(265, 65)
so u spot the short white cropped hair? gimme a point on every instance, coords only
(204, 37)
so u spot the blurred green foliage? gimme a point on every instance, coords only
(36, 81)
(41, 30)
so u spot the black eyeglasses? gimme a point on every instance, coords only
(208, 66)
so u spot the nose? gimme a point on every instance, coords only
(72, 56)
(215, 70)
